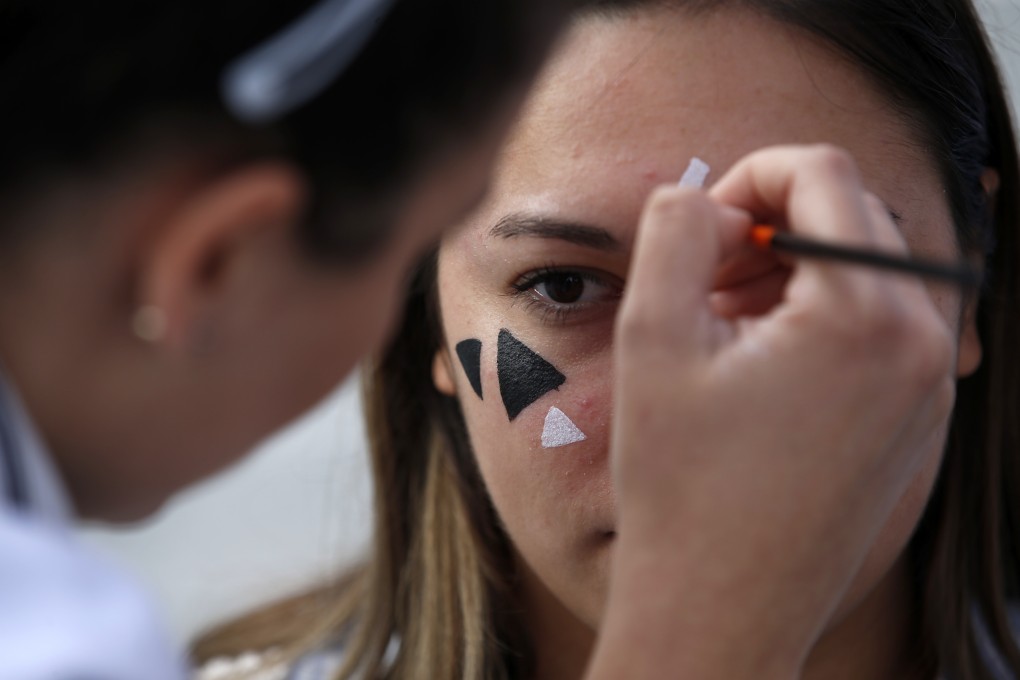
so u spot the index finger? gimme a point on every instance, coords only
(815, 190)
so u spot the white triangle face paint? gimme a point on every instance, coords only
(696, 174)
(560, 430)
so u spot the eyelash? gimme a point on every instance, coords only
(552, 312)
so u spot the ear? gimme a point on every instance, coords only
(442, 373)
(970, 351)
(184, 267)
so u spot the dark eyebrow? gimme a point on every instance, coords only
(538, 226)
(894, 214)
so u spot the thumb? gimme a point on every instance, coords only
(681, 240)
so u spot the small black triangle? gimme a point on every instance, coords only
(524, 377)
(470, 353)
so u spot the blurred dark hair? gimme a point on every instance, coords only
(87, 82)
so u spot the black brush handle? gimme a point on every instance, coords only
(959, 274)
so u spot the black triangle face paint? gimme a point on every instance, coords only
(470, 353)
(524, 377)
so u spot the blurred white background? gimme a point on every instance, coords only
(286, 518)
(298, 509)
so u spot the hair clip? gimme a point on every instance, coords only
(301, 61)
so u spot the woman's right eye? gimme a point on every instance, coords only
(565, 288)
(565, 291)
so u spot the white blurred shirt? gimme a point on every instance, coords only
(65, 613)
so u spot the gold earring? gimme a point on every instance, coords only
(149, 323)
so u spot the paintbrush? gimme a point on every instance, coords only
(768, 238)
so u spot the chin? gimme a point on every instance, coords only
(143, 510)
(139, 507)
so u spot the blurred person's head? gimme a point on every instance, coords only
(175, 282)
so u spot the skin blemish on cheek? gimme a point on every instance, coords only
(560, 430)
(524, 377)
(650, 175)
(695, 174)
(470, 354)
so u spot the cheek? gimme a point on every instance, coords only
(564, 423)
(533, 482)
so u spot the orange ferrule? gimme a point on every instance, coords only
(762, 235)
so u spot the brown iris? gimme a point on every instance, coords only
(564, 288)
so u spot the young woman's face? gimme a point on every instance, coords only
(533, 281)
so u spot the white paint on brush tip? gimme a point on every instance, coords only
(695, 174)
(560, 430)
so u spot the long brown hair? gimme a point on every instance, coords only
(933, 60)
(441, 579)
(441, 559)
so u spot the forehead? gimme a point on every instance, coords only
(627, 102)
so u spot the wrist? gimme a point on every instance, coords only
(665, 620)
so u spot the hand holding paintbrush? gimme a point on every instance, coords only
(790, 408)
(767, 238)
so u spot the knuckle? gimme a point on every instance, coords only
(866, 319)
(915, 340)
(871, 323)
(883, 319)
(833, 161)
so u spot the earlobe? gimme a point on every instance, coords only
(193, 251)
(442, 373)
